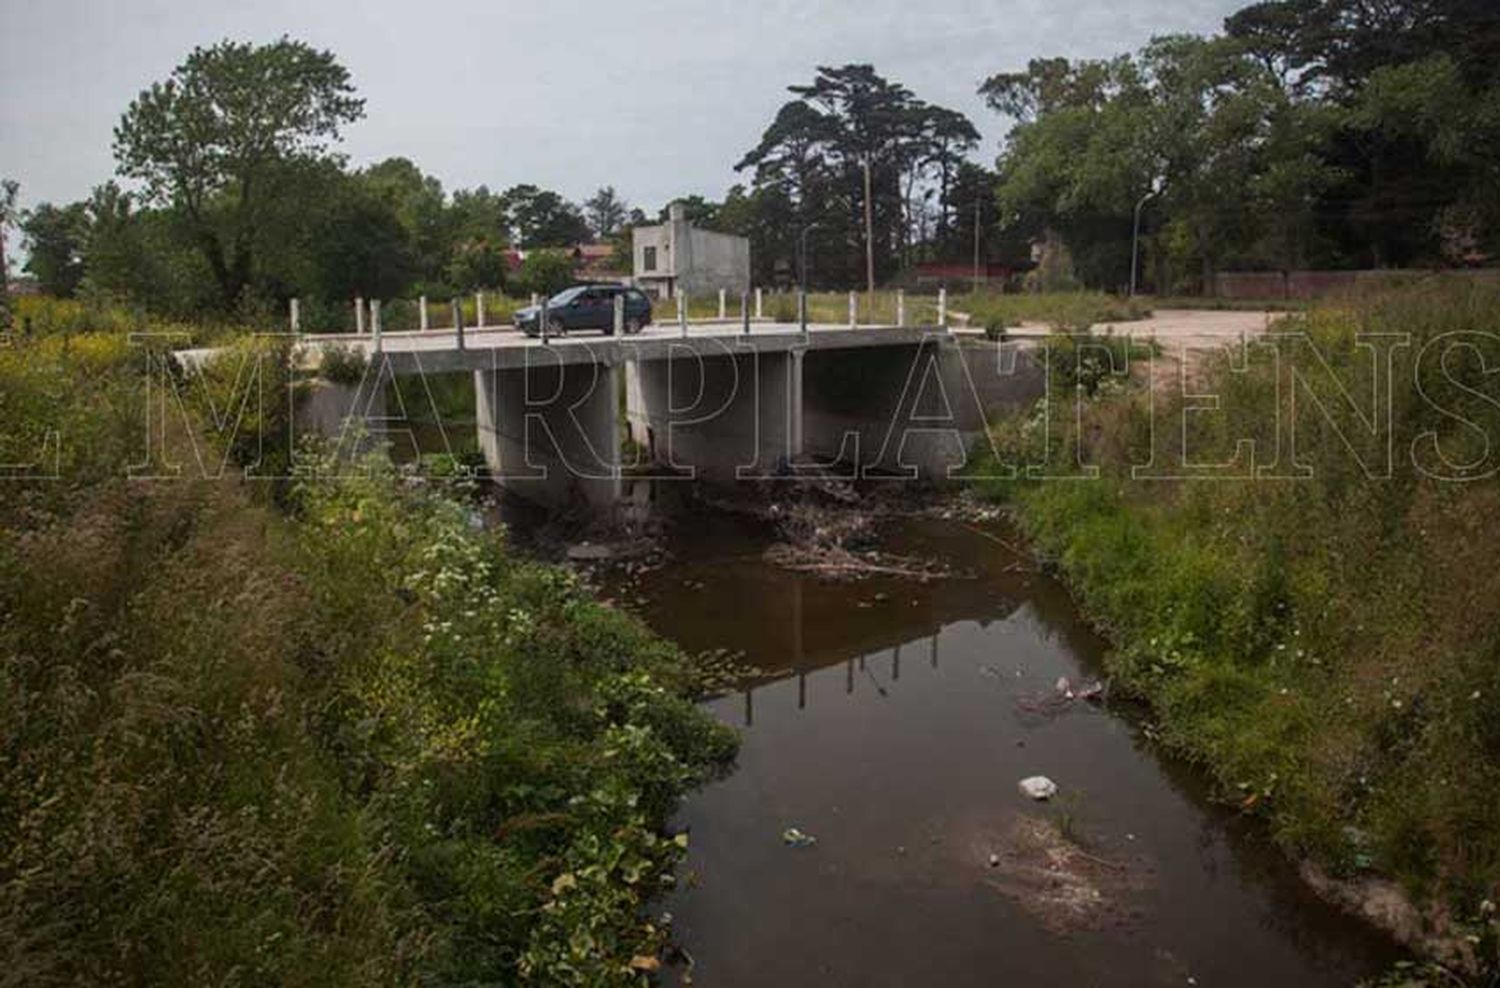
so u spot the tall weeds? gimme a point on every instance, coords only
(1319, 631)
(338, 737)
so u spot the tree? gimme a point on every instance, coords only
(606, 212)
(477, 264)
(1238, 156)
(1281, 35)
(814, 156)
(362, 250)
(9, 192)
(696, 209)
(204, 141)
(479, 214)
(418, 202)
(541, 218)
(546, 272)
(56, 238)
(136, 254)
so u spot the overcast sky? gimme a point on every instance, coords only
(657, 97)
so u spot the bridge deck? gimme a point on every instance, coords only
(436, 351)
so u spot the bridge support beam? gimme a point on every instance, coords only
(550, 433)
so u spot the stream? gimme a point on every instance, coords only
(893, 726)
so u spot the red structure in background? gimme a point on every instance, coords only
(591, 262)
(938, 272)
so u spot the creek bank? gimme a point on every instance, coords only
(1382, 904)
(1324, 646)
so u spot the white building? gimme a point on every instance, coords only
(677, 257)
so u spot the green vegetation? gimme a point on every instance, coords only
(343, 365)
(348, 741)
(808, 181)
(1327, 647)
(1063, 311)
(239, 202)
(1310, 133)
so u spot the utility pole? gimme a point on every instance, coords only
(976, 244)
(9, 192)
(869, 236)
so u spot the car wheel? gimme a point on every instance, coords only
(632, 327)
(556, 327)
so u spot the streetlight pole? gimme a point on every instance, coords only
(1135, 240)
(802, 255)
(869, 236)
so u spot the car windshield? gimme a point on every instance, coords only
(565, 296)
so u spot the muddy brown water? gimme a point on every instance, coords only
(895, 728)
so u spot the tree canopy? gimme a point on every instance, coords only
(212, 139)
(1331, 133)
(809, 172)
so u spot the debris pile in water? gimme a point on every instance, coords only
(836, 562)
(1065, 887)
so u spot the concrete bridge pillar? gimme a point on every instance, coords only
(718, 412)
(550, 432)
(352, 417)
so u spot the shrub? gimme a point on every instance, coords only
(357, 744)
(784, 308)
(997, 327)
(343, 364)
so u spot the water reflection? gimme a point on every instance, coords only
(906, 773)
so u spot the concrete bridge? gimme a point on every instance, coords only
(720, 402)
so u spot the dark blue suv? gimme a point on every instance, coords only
(587, 307)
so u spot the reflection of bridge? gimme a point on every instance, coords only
(879, 630)
(723, 402)
(862, 664)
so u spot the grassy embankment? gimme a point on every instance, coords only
(331, 736)
(1326, 647)
(1068, 312)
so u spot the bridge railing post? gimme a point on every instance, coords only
(943, 308)
(759, 308)
(359, 316)
(422, 322)
(375, 322)
(479, 310)
(745, 313)
(619, 315)
(295, 312)
(458, 322)
(853, 309)
(682, 312)
(802, 311)
(543, 318)
(900, 307)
